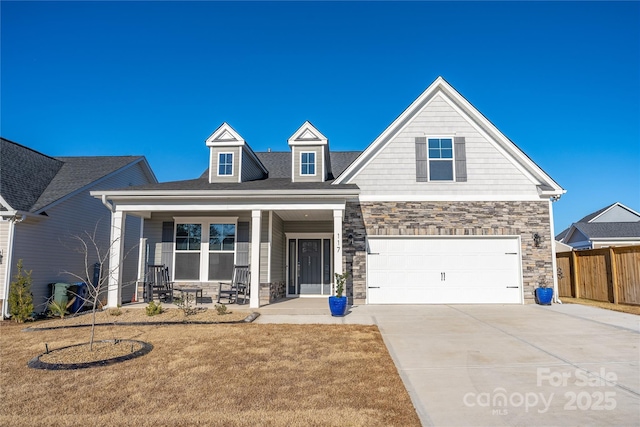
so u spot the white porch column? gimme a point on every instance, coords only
(142, 260)
(554, 262)
(114, 284)
(337, 241)
(254, 299)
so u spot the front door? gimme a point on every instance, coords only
(309, 267)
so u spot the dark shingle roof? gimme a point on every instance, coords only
(78, 172)
(261, 184)
(30, 181)
(24, 174)
(601, 230)
(595, 214)
(278, 163)
(340, 160)
(562, 234)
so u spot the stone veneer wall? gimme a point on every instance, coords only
(271, 292)
(448, 219)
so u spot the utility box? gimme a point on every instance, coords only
(61, 293)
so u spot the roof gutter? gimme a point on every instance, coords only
(15, 216)
(221, 194)
(554, 194)
(107, 203)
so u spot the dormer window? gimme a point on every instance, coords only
(307, 163)
(225, 164)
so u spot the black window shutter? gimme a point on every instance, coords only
(421, 159)
(242, 243)
(461, 158)
(167, 231)
(166, 256)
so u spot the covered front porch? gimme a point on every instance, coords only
(293, 246)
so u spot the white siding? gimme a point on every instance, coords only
(47, 247)
(213, 173)
(250, 169)
(489, 172)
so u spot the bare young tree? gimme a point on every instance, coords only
(95, 255)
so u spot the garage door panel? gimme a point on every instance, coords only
(444, 270)
(452, 295)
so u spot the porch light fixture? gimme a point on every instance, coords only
(537, 239)
(350, 239)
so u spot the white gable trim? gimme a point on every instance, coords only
(225, 135)
(307, 134)
(448, 93)
(492, 141)
(618, 204)
(4, 203)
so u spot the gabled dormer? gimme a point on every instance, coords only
(231, 159)
(310, 161)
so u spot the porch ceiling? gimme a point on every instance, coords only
(303, 215)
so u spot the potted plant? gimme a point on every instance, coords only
(544, 295)
(338, 303)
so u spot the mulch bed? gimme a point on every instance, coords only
(81, 356)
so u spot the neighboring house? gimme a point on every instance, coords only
(45, 201)
(561, 247)
(440, 208)
(614, 225)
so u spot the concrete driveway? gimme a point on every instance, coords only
(494, 365)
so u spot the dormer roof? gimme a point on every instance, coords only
(225, 135)
(307, 134)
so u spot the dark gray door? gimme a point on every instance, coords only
(310, 266)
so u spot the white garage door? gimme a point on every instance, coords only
(408, 270)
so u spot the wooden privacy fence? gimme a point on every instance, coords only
(607, 274)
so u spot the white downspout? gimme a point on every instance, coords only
(107, 203)
(554, 262)
(9, 263)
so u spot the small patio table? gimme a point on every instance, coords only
(196, 291)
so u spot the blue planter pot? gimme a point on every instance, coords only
(544, 296)
(338, 306)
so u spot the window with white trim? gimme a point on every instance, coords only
(205, 249)
(440, 157)
(307, 163)
(225, 164)
(187, 256)
(222, 244)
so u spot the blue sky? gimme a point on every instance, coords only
(562, 80)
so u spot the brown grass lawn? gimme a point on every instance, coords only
(231, 375)
(631, 309)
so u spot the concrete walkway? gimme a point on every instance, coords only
(503, 365)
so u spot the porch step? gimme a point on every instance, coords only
(300, 306)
